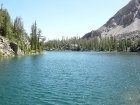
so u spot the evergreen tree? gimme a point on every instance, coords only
(35, 36)
(39, 35)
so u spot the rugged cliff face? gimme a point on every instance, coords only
(8, 48)
(124, 24)
(5, 48)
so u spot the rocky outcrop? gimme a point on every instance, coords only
(5, 49)
(8, 48)
(26, 42)
(20, 52)
(124, 24)
(92, 34)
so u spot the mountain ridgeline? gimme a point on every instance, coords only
(125, 24)
(120, 33)
(14, 41)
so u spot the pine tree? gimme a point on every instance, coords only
(35, 37)
(39, 35)
(32, 37)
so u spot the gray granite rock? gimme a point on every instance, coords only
(124, 24)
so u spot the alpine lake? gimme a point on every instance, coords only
(71, 78)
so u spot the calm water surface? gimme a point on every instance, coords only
(71, 78)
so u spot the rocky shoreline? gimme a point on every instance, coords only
(9, 48)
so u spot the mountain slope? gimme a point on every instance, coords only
(124, 24)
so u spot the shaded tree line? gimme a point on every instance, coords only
(93, 44)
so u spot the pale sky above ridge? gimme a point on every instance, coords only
(59, 18)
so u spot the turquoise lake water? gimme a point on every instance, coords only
(71, 78)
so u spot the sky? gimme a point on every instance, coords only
(57, 18)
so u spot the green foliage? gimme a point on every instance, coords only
(15, 32)
(93, 44)
(37, 43)
(18, 29)
(135, 47)
(5, 24)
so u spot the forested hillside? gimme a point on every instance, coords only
(94, 44)
(13, 36)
